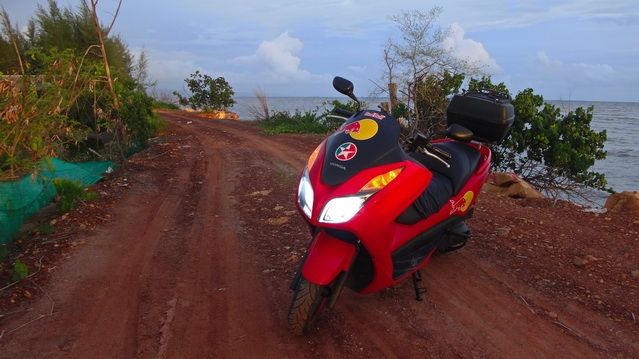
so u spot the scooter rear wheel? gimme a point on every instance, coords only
(308, 301)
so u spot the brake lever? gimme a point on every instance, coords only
(439, 151)
(341, 118)
(425, 151)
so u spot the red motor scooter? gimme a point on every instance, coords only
(378, 209)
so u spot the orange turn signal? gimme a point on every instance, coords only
(381, 181)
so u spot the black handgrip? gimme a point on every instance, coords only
(342, 112)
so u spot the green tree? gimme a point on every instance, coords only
(207, 93)
(141, 72)
(431, 97)
(73, 80)
(422, 69)
(11, 46)
(552, 150)
(62, 28)
(55, 30)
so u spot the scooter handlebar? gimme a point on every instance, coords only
(343, 112)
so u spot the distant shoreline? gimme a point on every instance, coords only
(386, 99)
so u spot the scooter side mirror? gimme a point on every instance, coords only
(460, 133)
(345, 87)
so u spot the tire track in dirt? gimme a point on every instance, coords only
(219, 304)
(90, 318)
(140, 241)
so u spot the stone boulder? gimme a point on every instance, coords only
(623, 203)
(510, 185)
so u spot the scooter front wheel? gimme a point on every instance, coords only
(308, 301)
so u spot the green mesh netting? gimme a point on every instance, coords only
(20, 199)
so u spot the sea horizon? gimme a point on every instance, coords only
(338, 97)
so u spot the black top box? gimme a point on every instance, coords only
(489, 114)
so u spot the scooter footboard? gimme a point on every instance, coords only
(327, 257)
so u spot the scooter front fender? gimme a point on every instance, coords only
(327, 257)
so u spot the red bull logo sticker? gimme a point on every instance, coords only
(375, 115)
(360, 130)
(346, 151)
(462, 204)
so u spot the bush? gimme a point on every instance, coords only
(298, 122)
(137, 113)
(20, 271)
(33, 120)
(207, 93)
(553, 151)
(161, 105)
(70, 192)
(334, 123)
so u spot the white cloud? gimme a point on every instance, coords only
(547, 65)
(279, 55)
(169, 68)
(360, 69)
(290, 45)
(597, 72)
(577, 72)
(275, 62)
(523, 13)
(278, 60)
(469, 50)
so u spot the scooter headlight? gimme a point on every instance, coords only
(305, 194)
(342, 209)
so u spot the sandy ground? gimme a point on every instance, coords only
(191, 247)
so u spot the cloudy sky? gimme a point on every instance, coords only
(563, 49)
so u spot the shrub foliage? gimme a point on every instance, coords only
(207, 93)
(67, 82)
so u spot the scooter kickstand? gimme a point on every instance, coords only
(417, 277)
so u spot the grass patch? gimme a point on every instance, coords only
(297, 122)
(70, 193)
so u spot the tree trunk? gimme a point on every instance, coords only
(392, 92)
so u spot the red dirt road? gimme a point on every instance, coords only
(195, 255)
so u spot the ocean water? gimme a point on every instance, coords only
(619, 119)
(246, 106)
(621, 122)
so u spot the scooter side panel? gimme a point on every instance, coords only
(402, 235)
(326, 258)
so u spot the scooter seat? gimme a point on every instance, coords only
(446, 181)
(463, 162)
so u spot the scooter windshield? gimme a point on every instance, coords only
(368, 139)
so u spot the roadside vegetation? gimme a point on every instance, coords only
(206, 93)
(70, 89)
(321, 120)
